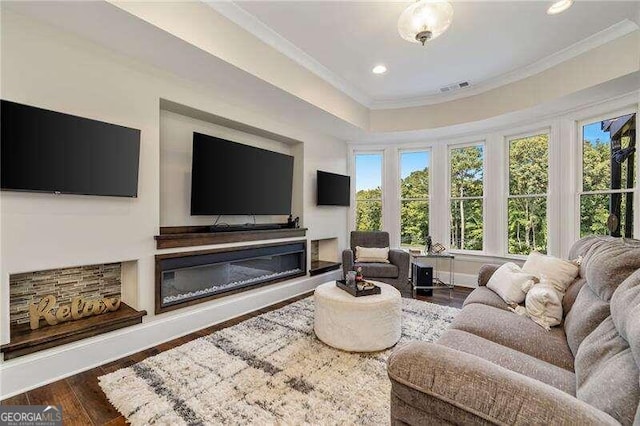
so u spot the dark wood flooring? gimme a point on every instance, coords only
(84, 403)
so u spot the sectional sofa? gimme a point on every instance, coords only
(495, 367)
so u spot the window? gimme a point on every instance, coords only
(466, 171)
(368, 192)
(414, 198)
(528, 190)
(608, 177)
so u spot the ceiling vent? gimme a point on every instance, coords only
(455, 86)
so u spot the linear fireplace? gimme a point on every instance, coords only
(186, 278)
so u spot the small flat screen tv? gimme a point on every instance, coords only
(229, 178)
(47, 151)
(333, 189)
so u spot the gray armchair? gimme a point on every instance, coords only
(395, 273)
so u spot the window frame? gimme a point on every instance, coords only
(402, 151)
(450, 198)
(354, 192)
(579, 125)
(547, 130)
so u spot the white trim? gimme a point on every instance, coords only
(465, 280)
(266, 34)
(31, 371)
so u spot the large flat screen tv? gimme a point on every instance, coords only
(47, 151)
(333, 189)
(229, 178)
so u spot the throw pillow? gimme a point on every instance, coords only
(511, 283)
(559, 272)
(544, 305)
(372, 254)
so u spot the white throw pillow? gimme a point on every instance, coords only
(511, 283)
(544, 305)
(559, 272)
(372, 255)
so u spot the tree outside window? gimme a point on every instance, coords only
(414, 198)
(368, 192)
(608, 177)
(466, 165)
(528, 194)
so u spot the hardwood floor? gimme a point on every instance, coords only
(84, 403)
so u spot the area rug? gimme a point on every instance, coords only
(270, 369)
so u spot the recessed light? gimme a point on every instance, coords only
(379, 69)
(559, 7)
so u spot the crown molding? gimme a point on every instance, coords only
(259, 29)
(598, 39)
(264, 33)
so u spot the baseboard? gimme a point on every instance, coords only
(466, 280)
(31, 371)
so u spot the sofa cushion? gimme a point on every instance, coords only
(570, 295)
(516, 332)
(378, 270)
(607, 374)
(612, 263)
(606, 263)
(485, 296)
(511, 359)
(587, 313)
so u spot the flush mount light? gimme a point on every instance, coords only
(559, 6)
(379, 69)
(425, 20)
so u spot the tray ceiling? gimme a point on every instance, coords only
(487, 45)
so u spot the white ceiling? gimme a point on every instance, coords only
(488, 43)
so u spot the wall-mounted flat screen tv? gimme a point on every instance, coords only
(229, 178)
(47, 151)
(333, 189)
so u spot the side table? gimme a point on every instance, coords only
(442, 264)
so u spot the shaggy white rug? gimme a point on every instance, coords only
(270, 369)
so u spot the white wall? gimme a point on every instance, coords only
(176, 136)
(49, 68)
(564, 180)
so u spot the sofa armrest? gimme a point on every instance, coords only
(485, 273)
(402, 260)
(437, 382)
(347, 261)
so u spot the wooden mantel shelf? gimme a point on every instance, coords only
(188, 236)
(25, 341)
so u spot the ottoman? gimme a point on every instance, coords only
(357, 324)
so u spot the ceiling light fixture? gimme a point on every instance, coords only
(425, 20)
(379, 69)
(559, 6)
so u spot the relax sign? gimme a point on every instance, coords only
(77, 309)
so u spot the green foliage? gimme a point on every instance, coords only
(528, 175)
(529, 165)
(594, 208)
(466, 181)
(414, 209)
(369, 209)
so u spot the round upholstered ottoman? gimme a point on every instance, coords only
(357, 324)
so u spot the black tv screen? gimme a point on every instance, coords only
(47, 151)
(229, 178)
(333, 189)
